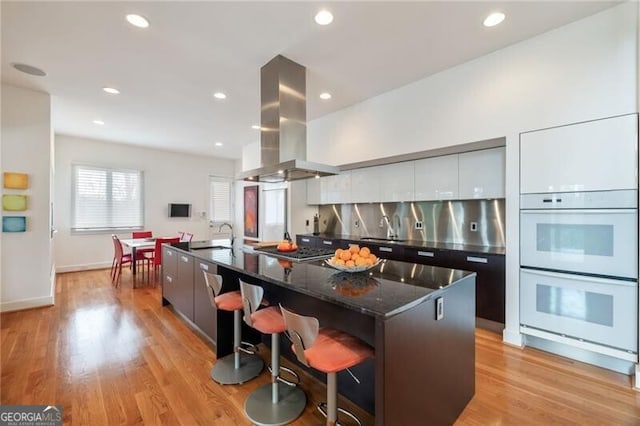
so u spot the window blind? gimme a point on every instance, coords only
(221, 200)
(105, 199)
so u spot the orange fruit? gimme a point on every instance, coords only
(368, 261)
(361, 261)
(365, 251)
(373, 258)
(338, 252)
(339, 262)
(349, 264)
(345, 255)
(354, 248)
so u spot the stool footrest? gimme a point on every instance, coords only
(297, 380)
(322, 407)
(248, 348)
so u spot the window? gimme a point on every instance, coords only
(221, 200)
(106, 199)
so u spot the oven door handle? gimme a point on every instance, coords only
(579, 211)
(574, 277)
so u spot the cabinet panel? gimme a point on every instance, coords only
(184, 289)
(335, 189)
(436, 178)
(592, 156)
(306, 241)
(386, 251)
(490, 282)
(313, 191)
(169, 275)
(481, 174)
(427, 256)
(365, 185)
(396, 182)
(204, 315)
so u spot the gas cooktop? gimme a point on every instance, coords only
(301, 254)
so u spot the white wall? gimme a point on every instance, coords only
(585, 70)
(26, 148)
(168, 177)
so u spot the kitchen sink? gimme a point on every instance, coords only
(387, 240)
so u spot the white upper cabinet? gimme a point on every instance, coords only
(436, 178)
(313, 191)
(592, 156)
(396, 182)
(481, 174)
(335, 189)
(365, 185)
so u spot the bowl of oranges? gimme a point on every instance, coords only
(353, 259)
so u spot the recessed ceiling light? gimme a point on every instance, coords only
(219, 95)
(138, 20)
(255, 127)
(29, 69)
(494, 19)
(325, 96)
(98, 122)
(324, 17)
(218, 143)
(111, 90)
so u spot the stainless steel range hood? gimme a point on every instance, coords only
(283, 123)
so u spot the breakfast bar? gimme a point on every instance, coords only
(418, 318)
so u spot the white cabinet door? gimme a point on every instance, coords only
(436, 178)
(396, 182)
(313, 191)
(365, 185)
(481, 174)
(592, 156)
(335, 189)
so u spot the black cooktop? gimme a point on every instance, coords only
(302, 253)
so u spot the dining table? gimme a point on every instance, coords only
(138, 243)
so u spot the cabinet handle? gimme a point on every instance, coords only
(329, 243)
(426, 253)
(185, 259)
(305, 240)
(477, 259)
(204, 267)
(552, 200)
(387, 249)
(168, 253)
(169, 279)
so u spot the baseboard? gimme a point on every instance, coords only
(513, 338)
(85, 267)
(18, 305)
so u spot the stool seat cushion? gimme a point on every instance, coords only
(231, 301)
(334, 351)
(268, 320)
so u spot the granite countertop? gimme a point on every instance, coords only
(384, 291)
(417, 244)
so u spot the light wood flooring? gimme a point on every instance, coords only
(117, 357)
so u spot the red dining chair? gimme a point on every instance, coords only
(186, 237)
(155, 258)
(180, 235)
(120, 259)
(143, 234)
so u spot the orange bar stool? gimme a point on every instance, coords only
(281, 401)
(243, 364)
(326, 350)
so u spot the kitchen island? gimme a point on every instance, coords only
(423, 370)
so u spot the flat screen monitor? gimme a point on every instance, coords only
(179, 210)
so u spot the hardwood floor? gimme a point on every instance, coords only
(116, 356)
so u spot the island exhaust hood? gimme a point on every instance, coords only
(283, 126)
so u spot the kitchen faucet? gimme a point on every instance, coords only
(390, 234)
(230, 228)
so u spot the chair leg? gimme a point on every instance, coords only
(332, 399)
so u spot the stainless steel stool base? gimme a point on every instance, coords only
(322, 407)
(225, 373)
(260, 409)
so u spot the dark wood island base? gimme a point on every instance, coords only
(420, 320)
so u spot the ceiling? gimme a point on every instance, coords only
(168, 72)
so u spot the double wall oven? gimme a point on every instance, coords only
(579, 266)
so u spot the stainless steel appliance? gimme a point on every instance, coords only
(301, 254)
(579, 269)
